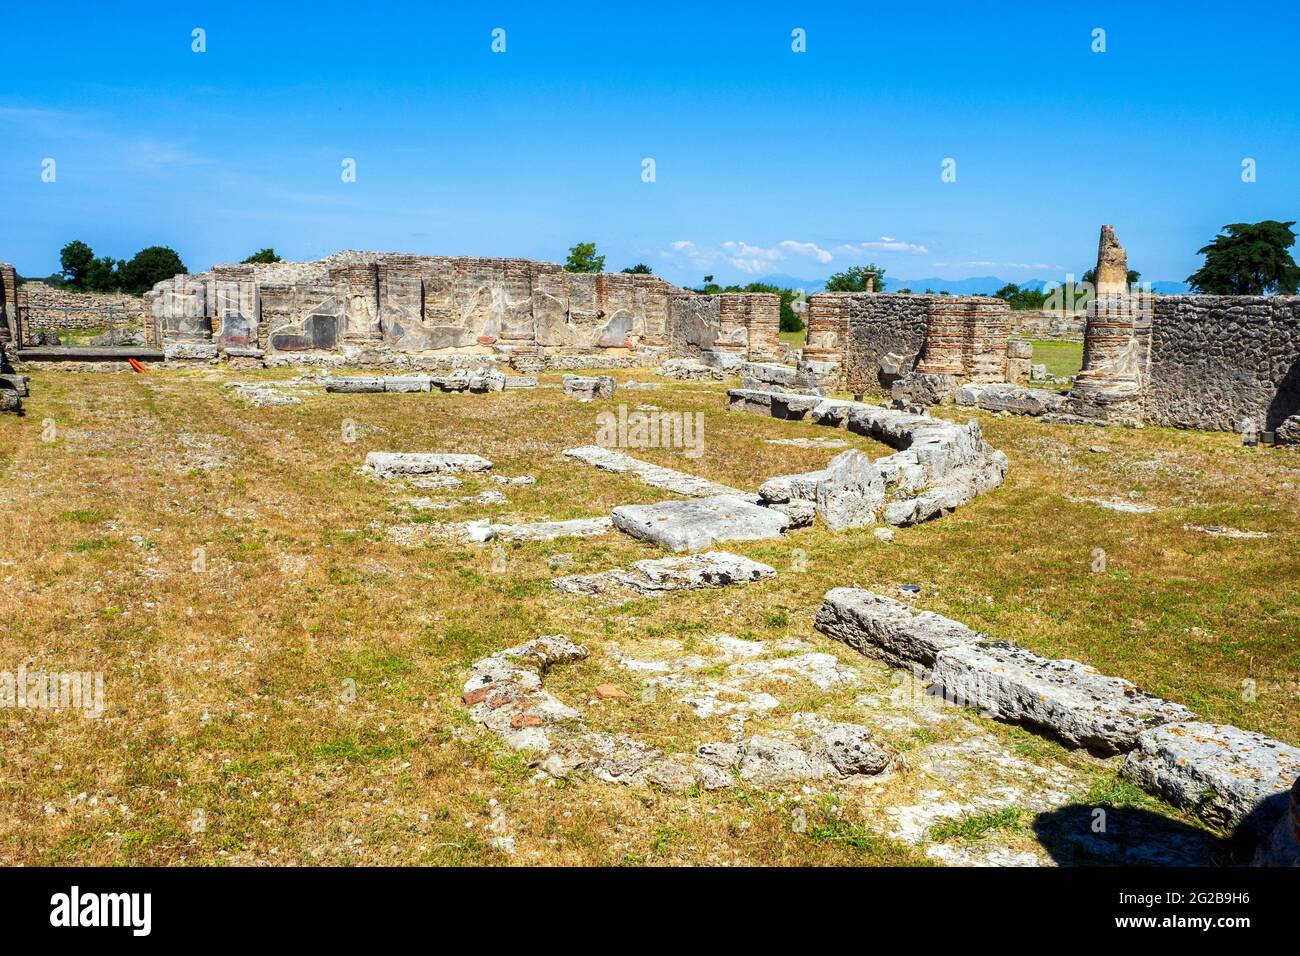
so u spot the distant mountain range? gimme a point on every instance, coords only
(979, 285)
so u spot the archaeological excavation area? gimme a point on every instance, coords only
(408, 560)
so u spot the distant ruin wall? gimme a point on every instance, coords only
(1046, 324)
(396, 303)
(50, 309)
(965, 336)
(8, 303)
(1216, 361)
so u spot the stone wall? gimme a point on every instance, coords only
(965, 336)
(1216, 361)
(8, 303)
(402, 304)
(49, 309)
(1045, 324)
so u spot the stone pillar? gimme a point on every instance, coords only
(733, 324)
(764, 327)
(988, 326)
(946, 338)
(828, 327)
(653, 296)
(1020, 362)
(358, 291)
(1116, 339)
(8, 304)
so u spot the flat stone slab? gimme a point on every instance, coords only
(1075, 702)
(355, 384)
(1227, 775)
(393, 464)
(700, 523)
(885, 628)
(712, 569)
(1015, 399)
(657, 476)
(549, 530)
(407, 383)
(587, 387)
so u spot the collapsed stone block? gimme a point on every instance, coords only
(652, 576)
(888, 629)
(585, 388)
(700, 523)
(1071, 700)
(852, 493)
(1227, 775)
(355, 384)
(393, 464)
(924, 388)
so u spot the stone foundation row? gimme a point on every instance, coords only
(1233, 778)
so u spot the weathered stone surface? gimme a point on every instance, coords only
(609, 459)
(700, 523)
(801, 513)
(486, 380)
(521, 381)
(588, 387)
(190, 351)
(9, 401)
(712, 569)
(1227, 775)
(924, 388)
(504, 691)
(1282, 846)
(958, 487)
(405, 383)
(1016, 399)
(852, 493)
(1288, 433)
(893, 366)
(850, 749)
(834, 752)
(549, 530)
(355, 384)
(391, 464)
(1112, 264)
(885, 628)
(689, 370)
(801, 487)
(1072, 700)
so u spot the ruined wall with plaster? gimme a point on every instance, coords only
(394, 303)
(1216, 361)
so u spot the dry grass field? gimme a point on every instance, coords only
(233, 575)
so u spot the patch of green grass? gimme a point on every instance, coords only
(92, 544)
(83, 516)
(976, 826)
(1062, 359)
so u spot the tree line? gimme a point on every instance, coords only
(83, 271)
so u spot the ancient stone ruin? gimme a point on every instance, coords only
(382, 308)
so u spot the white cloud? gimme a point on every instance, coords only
(883, 244)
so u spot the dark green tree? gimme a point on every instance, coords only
(640, 269)
(263, 255)
(103, 275)
(1248, 259)
(854, 279)
(1021, 298)
(149, 266)
(583, 258)
(76, 258)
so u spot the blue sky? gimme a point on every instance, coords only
(767, 161)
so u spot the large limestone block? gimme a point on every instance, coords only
(588, 387)
(406, 383)
(1015, 399)
(1224, 774)
(852, 493)
(882, 627)
(700, 523)
(355, 384)
(923, 388)
(392, 464)
(1282, 846)
(1071, 700)
(654, 576)
(800, 487)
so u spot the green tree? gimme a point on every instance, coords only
(790, 321)
(583, 258)
(1090, 277)
(640, 269)
(263, 255)
(854, 279)
(103, 275)
(149, 266)
(1021, 298)
(1248, 259)
(76, 258)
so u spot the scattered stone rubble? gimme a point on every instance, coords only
(940, 465)
(586, 388)
(397, 464)
(657, 476)
(458, 380)
(13, 387)
(698, 523)
(505, 694)
(690, 370)
(1230, 777)
(654, 576)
